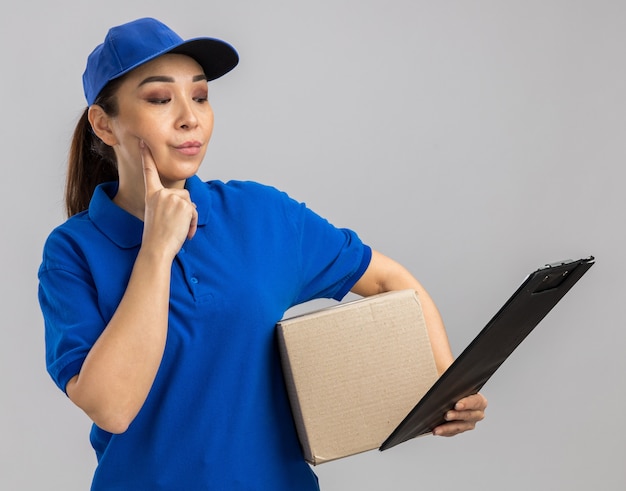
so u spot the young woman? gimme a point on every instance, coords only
(160, 293)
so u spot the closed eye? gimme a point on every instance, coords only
(158, 101)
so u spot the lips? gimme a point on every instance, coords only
(189, 148)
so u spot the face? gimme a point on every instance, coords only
(164, 103)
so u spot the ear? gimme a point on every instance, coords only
(101, 124)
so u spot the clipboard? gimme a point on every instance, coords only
(537, 295)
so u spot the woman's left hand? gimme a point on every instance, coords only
(466, 413)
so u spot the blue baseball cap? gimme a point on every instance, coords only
(132, 44)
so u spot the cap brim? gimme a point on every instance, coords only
(216, 57)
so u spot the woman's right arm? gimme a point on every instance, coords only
(119, 370)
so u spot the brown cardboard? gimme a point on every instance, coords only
(354, 371)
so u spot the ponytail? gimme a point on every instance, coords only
(91, 161)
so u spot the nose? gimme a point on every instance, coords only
(187, 117)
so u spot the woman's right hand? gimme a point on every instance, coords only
(169, 217)
(119, 371)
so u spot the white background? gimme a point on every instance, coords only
(474, 141)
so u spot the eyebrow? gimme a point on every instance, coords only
(163, 78)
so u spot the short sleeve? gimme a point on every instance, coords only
(332, 259)
(72, 321)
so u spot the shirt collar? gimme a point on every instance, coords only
(201, 197)
(126, 230)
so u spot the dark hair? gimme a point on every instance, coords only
(91, 161)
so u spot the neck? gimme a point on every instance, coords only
(132, 202)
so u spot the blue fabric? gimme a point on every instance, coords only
(217, 416)
(130, 45)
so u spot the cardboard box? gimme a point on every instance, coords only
(354, 371)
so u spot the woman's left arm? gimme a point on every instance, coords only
(384, 274)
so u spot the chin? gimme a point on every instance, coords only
(179, 176)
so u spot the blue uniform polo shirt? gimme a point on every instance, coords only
(217, 416)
